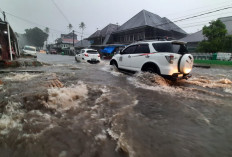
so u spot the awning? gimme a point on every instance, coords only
(108, 50)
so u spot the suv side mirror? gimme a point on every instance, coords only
(120, 52)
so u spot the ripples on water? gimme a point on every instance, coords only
(88, 119)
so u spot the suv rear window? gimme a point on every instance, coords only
(170, 47)
(29, 48)
(92, 52)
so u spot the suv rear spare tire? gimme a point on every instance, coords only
(186, 63)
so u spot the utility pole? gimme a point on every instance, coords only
(73, 38)
(4, 15)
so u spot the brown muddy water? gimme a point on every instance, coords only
(72, 109)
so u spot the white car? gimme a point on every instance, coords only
(29, 51)
(89, 55)
(166, 58)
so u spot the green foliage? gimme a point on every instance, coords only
(82, 26)
(215, 30)
(47, 30)
(217, 39)
(36, 36)
(227, 43)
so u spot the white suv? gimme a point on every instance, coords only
(166, 58)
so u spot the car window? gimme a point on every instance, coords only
(170, 47)
(92, 52)
(143, 48)
(129, 50)
(179, 48)
(162, 47)
(29, 48)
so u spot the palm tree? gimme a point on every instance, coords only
(70, 27)
(82, 27)
(46, 30)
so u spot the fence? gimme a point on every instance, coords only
(212, 56)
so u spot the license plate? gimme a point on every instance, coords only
(93, 59)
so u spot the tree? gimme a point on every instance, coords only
(36, 36)
(215, 33)
(82, 27)
(70, 27)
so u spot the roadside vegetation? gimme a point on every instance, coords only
(217, 40)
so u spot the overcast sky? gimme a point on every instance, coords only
(96, 14)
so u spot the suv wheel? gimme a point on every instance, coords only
(114, 63)
(152, 68)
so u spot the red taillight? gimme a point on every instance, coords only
(98, 55)
(170, 58)
(86, 55)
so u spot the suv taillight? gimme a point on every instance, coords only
(170, 58)
(86, 55)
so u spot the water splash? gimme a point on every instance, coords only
(20, 76)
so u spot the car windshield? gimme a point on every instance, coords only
(29, 48)
(92, 52)
(170, 47)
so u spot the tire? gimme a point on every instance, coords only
(114, 63)
(152, 68)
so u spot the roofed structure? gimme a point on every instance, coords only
(146, 18)
(147, 26)
(103, 36)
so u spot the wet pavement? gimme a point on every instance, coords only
(70, 109)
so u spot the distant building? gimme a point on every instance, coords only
(82, 44)
(66, 40)
(194, 39)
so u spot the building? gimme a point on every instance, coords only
(104, 36)
(82, 44)
(8, 42)
(193, 39)
(143, 26)
(147, 26)
(66, 40)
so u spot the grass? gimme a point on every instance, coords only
(213, 62)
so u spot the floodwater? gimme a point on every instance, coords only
(70, 109)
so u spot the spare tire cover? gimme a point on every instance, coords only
(186, 63)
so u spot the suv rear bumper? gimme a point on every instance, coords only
(181, 76)
(177, 76)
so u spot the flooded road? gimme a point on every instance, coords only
(70, 109)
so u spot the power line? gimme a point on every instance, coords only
(61, 11)
(195, 16)
(202, 11)
(37, 24)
